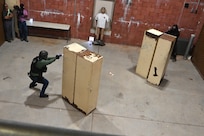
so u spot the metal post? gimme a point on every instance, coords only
(189, 46)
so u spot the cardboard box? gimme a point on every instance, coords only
(81, 77)
(147, 50)
(161, 57)
(69, 69)
(88, 73)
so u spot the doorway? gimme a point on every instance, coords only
(109, 5)
(198, 55)
(11, 3)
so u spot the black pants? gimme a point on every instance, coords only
(8, 30)
(23, 30)
(40, 80)
(174, 52)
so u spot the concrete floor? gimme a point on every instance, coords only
(127, 104)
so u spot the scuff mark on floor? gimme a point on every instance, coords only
(5, 78)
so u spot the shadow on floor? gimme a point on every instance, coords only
(34, 101)
(163, 84)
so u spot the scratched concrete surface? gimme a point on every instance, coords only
(127, 104)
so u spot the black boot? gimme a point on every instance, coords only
(32, 85)
(43, 95)
(96, 42)
(173, 58)
(101, 43)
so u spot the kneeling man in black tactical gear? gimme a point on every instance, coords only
(38, 66)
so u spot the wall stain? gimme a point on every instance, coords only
(50, 12)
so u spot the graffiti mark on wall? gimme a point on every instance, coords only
(159, 2)
(126, 6)
(130, 22)
(50, 12)
(118, 36)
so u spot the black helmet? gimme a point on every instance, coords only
(22, 5)
(43, 54)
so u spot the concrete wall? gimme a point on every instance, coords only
(129, 21)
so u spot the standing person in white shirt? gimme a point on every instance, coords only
(101, 19)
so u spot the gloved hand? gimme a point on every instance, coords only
(44, 69)
(58, 56)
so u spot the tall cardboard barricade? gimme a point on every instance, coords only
(161, 57)
(81, 77)
(147, 50)
(87, 80)
(69, 70)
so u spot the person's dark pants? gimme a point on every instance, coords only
(8, 30)
(41, 80)
(174, 52)
(23, 30)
